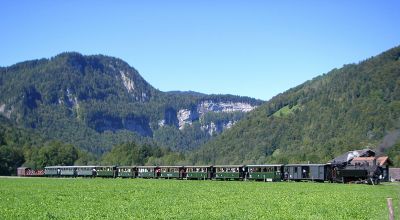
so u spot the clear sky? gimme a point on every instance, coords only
(247, 48)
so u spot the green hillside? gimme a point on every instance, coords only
(353, 107)
(96, 102)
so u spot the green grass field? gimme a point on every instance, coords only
(44, 198)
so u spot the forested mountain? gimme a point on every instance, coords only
(353, 107)
(19, 146)
(96, 102)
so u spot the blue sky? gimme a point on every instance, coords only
(247, 48)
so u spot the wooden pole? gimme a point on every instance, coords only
(390, 207)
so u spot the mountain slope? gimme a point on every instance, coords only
(96, 102)
(348, 108)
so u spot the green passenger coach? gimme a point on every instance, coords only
(106, 171)
(127, 171)
(177, 172)
(51, 171)
(148, 171)
(199, 172)
(86, 171)
(266, 173)
(230, 172)
(68, 171)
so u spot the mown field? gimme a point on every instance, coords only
(44, 198)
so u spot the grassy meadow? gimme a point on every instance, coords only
(47, 198)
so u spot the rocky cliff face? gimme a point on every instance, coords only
(188, 116)
(211, 106)
(3, 111)
(213, 128)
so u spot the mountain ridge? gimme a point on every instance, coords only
(98, 101)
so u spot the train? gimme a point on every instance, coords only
(355, 166)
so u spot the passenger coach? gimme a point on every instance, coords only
(177, 172)
(230, 172)
(148, 171)
(127, 171)
(199, 172)
(267, 173)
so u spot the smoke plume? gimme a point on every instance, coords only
(389, 140)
